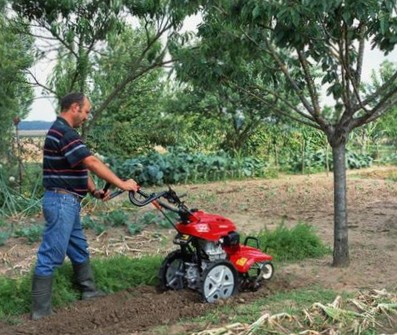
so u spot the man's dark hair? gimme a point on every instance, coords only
(70, 99)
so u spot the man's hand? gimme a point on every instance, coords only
(101, 194)
(126, 185)
(130, 185)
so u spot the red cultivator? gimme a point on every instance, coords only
(210, 258)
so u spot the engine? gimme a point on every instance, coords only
(213, 250)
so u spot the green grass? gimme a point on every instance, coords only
(119, 273)
(297, 243)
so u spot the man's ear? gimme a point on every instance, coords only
(75, 107)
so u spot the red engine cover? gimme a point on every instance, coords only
(206, 226)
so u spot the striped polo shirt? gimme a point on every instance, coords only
(62, 162)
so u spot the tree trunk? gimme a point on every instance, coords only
(341, 241)
(326, 159)
(303, 156)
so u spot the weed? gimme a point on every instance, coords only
(292, 244)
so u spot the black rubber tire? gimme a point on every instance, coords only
(164, 274)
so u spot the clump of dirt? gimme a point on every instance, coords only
(253, 205)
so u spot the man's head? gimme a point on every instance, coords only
(75, 108)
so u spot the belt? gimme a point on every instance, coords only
(63, 191)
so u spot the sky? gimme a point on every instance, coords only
(43, 108)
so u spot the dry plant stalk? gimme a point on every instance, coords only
(337, 321)
(226, 330)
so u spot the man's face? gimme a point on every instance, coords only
(81, 113)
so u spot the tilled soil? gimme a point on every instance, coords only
(252, 205)
(133, 311)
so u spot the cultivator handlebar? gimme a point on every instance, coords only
(154, 198)
(145, 199)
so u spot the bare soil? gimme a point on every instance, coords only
(253, 205)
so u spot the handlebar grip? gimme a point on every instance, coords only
(142, 193)
(105, 189)
(107, 186)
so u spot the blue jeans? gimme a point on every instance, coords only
(63, 234)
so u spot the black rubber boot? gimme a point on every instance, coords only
(85, 280)
(41, 296)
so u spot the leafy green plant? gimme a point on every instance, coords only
(32, 233)
(151, 218)
(178, 165)
(315, 161)
(3, 237)
(158, 219)
(147, 218)
(89, 223)
(116, 218)
(356, 160)
(134, 228)
(164, 222)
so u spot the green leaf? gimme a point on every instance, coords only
(384, 25)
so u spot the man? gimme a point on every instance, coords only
(66, 181)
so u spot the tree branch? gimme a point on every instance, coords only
(374, 95)
(284, 69)
(383, 106)
(274, 107)
(343, 74)
(37, 83)
(360, 57)
(355, 79)
(62, 41)
(310, 83)
(122, 85)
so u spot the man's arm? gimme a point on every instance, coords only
(96, 166)
(91, 185)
